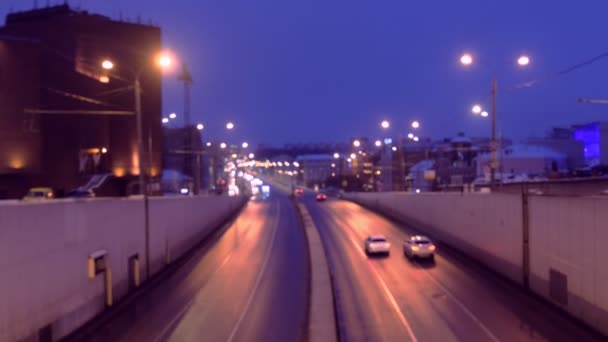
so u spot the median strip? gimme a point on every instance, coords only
(322, 318)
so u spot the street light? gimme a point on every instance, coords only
(356, 143)
(251, 156)
(484, 114)
(165, 120)
(410, 135)
(415, 124)
(523, 60)
(229, 126)
(164, 62)
(172, 116)
(107, 64)
(353, 156)
(378, 143)
(200, 126)
(394, 148)
(385, 124)
(336, 155)
(245, 145)
(467, 60)
(476, 109)
(104, 150)
(209, 144)
(416, 138)
(223, 146)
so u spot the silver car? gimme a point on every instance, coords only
(419, 246)
(377, 244)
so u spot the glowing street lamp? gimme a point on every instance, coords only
(200, 126)
(410, 135)
(336, 155)
(415, 124)
(107, 64)
(251, 156)
(229, 126)
(356, 143)
(385, 124)
(172, 116)
(245, 145)
(476, 109)
(353, 156)
(523, 60)
(223, 146)
(378, 143)
(164, 60)
(484, 114)
(416, 138)
(466, 59)
(165, 120)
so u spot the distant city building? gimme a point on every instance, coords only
(594, 137)
(528, 160)
(562, 140)
(64, 118)
(316, 168)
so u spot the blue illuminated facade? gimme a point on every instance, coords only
(590, 136)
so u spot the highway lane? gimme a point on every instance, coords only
(451, 299)
(250, 283)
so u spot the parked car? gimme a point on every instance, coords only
(321, 197)
(299, 191)
(419, 246)
(80, 194)
(40, 193)
(377, 244)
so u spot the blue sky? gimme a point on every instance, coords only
(323, 71)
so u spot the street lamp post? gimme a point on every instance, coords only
(467, 60)
(164, 61)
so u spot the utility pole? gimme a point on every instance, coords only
(493, 142)
(186, 78)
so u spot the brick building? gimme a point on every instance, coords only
(63, 118)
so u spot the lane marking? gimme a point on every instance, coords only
(173, 322)
(259, 277)
(460, 304)
(463, 307)
(387, 293)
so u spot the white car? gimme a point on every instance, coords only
(377, 244)
(419, 246)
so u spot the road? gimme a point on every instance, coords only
(451, 299)
(249, 283)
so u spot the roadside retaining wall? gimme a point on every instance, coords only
(44, 250)
(567, 239)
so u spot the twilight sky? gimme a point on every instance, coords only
(323, 71)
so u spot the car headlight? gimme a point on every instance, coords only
(432, 248)
(415, 248)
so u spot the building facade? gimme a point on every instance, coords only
(63, 118)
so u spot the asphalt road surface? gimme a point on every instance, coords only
(451, 299)
(249, 283)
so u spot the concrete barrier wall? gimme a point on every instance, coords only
(44, 248)
(567, 240)
(568, 237)
(487, 227)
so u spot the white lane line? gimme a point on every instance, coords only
(172, 323)
(388, 294)
(259, 277)
(460, 304)
(168, 327)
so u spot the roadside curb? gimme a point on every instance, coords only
(322, 316)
